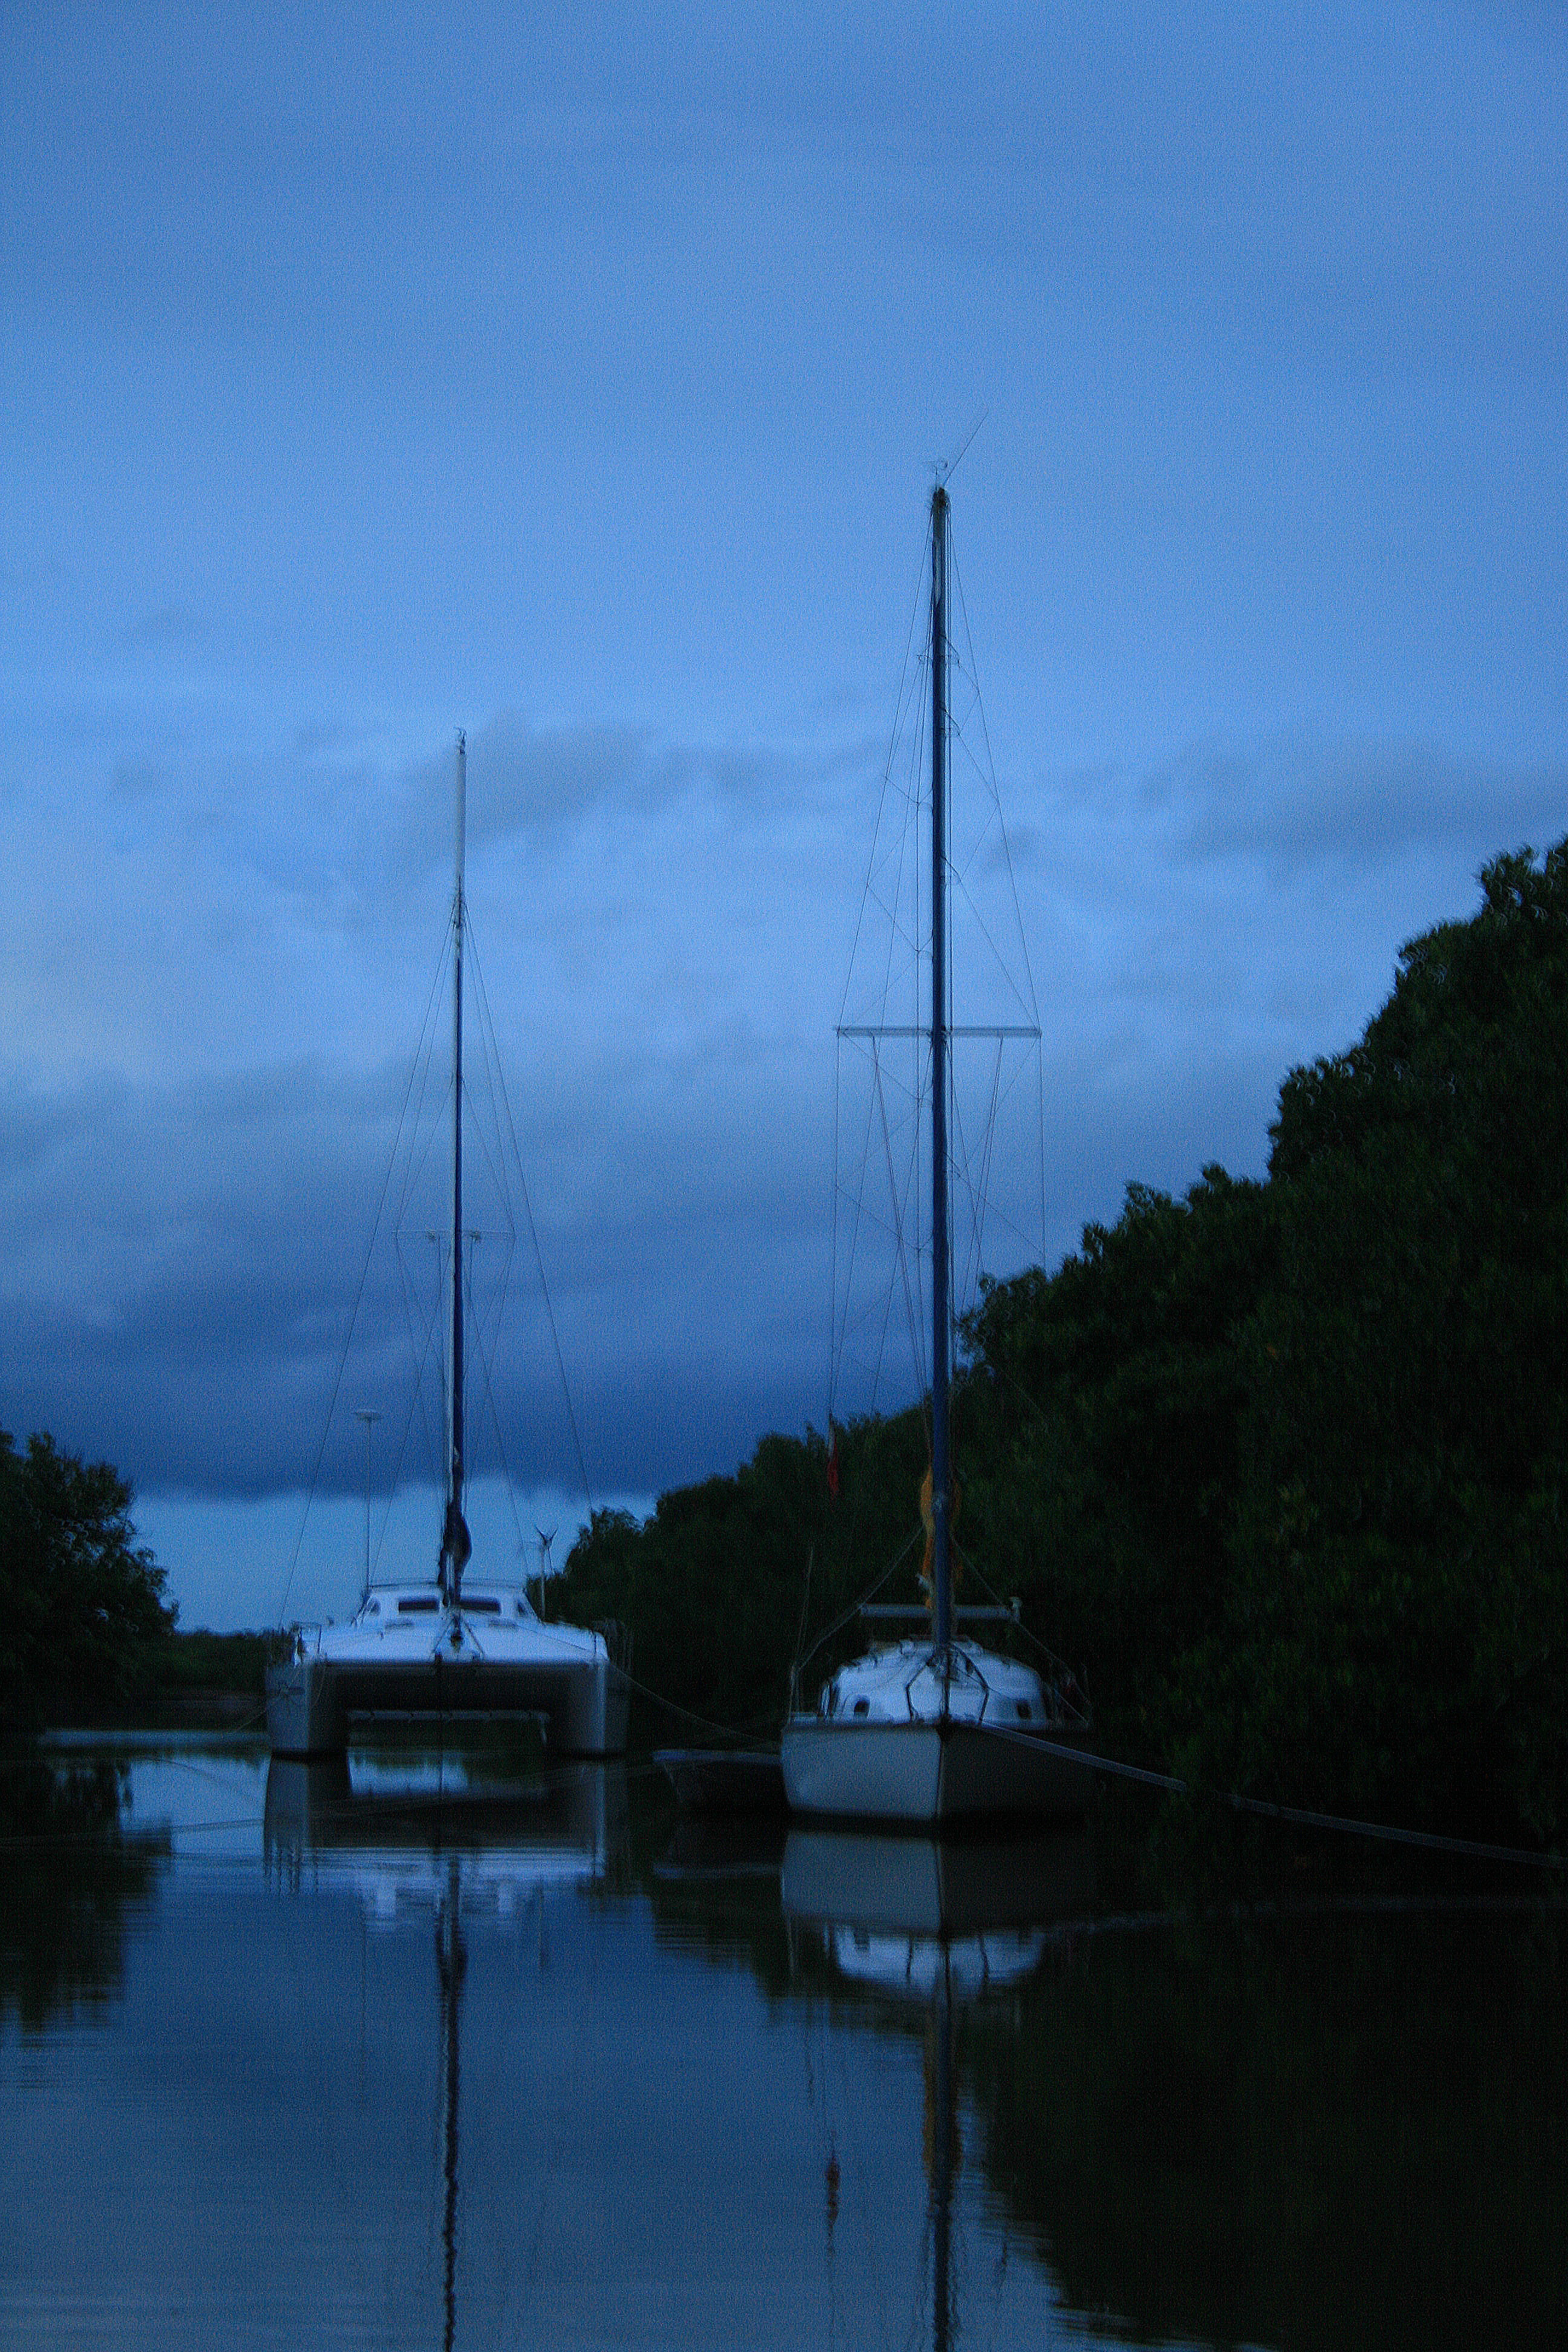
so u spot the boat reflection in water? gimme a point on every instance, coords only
(456, 1835)
(925, 1924)
(391, 1820)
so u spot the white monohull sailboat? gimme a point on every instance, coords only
(459, 1646)
(939, 1730)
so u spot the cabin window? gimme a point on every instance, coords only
(480, 1605)
(1024, 1709)
(426, 1605)
(862, 1706)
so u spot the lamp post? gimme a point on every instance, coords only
(364, 1413)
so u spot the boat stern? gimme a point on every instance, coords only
(304, 1713)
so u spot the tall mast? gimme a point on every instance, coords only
(454, 1543)
(939, 1481)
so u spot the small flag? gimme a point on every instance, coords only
(456, 1542)
(833, 1464)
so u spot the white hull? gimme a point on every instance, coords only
(583, 1700)
(928, 1773)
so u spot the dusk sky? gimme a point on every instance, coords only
(370, 373)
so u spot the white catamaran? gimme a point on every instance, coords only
(938, 1729)
(448, 1647)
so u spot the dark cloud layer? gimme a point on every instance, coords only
(184, 1265)
(576, 379)
(1303, 804)
(181, 1256)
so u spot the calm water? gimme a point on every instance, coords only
(418, 2052)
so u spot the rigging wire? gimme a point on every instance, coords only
(887, 774)
(990, 773)
(905, 880)
(537, 1253)
(839, 1623)
(916, 1334)
(421, 1355)
(485, 1356)
(426, 1050)
(489, 1341)
(353, 1313)
(978, 1200)
(414, 1142)
(897, 895)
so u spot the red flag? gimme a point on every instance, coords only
(832, 1466)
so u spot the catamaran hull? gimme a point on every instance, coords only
(585, 1702)
(927, 1773)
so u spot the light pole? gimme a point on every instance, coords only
(362, 1413)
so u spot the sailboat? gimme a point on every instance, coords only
(937, 1731)
(459, 1645)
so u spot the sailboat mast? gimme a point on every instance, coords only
(940, 1475)
(455, 1546)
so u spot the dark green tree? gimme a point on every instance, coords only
(1398, 1617)
(82, 1618)
(1282, 1465)
(1285, 1463)
(1098, 1435)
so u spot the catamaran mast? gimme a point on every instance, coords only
(454, 1543)
(940, 1479)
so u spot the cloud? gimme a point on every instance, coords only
(575, 377)
(182, 1231)
(523, 782)
(537, 785)
(1299, 802)
(182, 1264)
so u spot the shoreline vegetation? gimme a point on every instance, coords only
(1277, 1467)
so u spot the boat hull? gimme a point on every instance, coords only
(584, 1702)
(925, 1773)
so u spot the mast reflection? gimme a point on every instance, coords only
(921, 1922)
(451, 1966)
(412, 1831)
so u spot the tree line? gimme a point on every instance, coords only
(1278, 1464)
(83, 1622)
(86, 1634)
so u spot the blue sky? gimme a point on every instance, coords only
(367, 373)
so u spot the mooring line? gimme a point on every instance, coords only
(1346, 1823)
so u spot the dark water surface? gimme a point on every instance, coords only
(426, 2052)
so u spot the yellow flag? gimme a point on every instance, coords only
(928, 1521)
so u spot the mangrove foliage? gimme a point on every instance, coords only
(1278, 1466)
